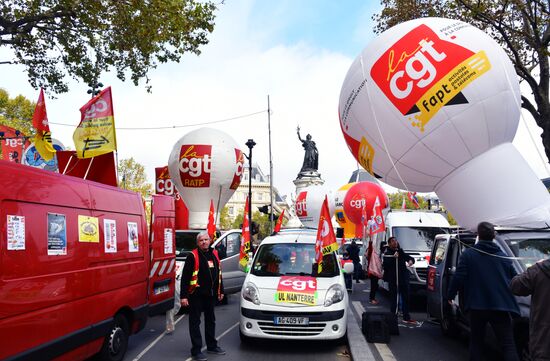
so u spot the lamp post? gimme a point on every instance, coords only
(250, 144)
(95, 88)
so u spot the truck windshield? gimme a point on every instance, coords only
(185, 242)
(417, 238)
(292, 259)
(530, 250)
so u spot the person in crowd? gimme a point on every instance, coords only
(484, 274)
(201, 286)
(396, 274)
(353, 250)
(367, 259)
(535, 281)
(347, 276)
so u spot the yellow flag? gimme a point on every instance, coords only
(95, 135)
(43, 137)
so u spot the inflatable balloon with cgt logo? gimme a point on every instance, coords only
(360, 200)
(433, 104)
(205, 165)
(308, 204)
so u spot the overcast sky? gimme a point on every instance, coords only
(297, 52)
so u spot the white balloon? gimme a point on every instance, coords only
(309, 202)
(205, 165)
(432, 105)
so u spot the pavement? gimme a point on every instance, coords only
(358, 345)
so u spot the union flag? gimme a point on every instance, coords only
(43, 138)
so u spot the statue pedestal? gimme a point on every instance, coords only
(306, 179)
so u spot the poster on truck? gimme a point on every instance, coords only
(133, 242)
(168, 241)
(57, 235)
(109, 234)
(88, 229)
(16, 233)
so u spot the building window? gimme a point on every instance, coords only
(231, 210)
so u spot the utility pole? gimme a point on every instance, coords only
(270, 168)
(250, 144)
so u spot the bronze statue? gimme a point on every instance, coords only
(311, 156)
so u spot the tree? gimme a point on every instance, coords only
(83, 39)
(225, 220)
(396, 201)
(133, 177)
(521, 27)
(17, 112)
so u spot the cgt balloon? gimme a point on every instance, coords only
(359, 201)
(350, 231)
(432, 104)
(308, 204)
(205, 165)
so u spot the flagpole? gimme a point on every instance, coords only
(89, 166)
(270, 168)
(218, 206)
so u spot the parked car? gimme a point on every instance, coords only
(284, 297)
(228, 246)
(528, 246)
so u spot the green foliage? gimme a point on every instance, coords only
(225, 220)
(263, 222)
(53, 38)
(521, 27)
(238, 222)
(132, 175)
(396, 201)
(17, 112)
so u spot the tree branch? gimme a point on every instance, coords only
(527, 105)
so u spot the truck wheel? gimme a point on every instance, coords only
(116, 342)
(448, 328)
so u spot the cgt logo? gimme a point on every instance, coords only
(195, 165)
(413, 65)
(239, 167)
(300, 207)
(163, 184)
(359, 203)
(298, 284)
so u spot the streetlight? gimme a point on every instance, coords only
(95, 89)
(250, 144)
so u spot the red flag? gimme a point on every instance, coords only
(326, 239)
(404, 204)
(43, 138)
(376, 223)
(211, 227)
(279, 222)
(413, 198)
(245, 239)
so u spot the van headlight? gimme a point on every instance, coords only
(334, 294)
(250, 293)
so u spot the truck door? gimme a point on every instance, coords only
(435, 270)
(162, 237)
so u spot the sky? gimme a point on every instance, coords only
(295, 52)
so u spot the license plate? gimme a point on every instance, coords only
(291, 320)
(161, 289)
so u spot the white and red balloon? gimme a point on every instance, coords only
(205, 165)
(359, 201)
(309, 202)
(432, 104)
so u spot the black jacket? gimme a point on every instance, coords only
(535, 281)
(353, 251)
(389, 265)
(208, 277)
(484, 273)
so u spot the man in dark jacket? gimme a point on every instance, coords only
(535, 281)
(398, 277)
(484, 273)
(201, 285)
(353, 251)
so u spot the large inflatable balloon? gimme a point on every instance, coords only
(432, 105)
(309, 202)
(359, 201)
(205, 165)
(350, 231)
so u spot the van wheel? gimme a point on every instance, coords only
(449, 328)
(116, 342)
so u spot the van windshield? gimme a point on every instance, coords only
(186, 241)
(417, 238)
(292, 259)
(530, 250)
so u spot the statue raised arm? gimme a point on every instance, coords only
(311, 156)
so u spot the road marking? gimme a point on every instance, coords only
(218, 338)
(382, 348)
(155, 341)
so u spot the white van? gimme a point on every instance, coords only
(416, 231)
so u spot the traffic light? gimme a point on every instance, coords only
(264, 209)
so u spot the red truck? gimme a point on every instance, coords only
(79, 272)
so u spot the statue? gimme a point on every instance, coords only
(311, 156)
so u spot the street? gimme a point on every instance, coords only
(423, 342)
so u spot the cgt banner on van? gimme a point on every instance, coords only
(424, 103)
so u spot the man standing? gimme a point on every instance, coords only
(484, 273)
(353, 251)
(535, 281)
(201, 285)
(397, 277)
